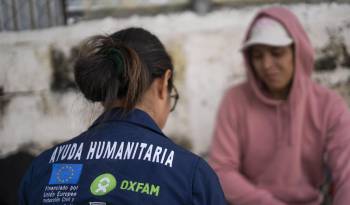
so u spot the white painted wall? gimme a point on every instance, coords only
(205, 50)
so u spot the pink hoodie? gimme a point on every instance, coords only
(273, 152)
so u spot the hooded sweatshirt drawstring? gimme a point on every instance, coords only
(284, 134)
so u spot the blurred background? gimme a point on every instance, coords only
(40, 105)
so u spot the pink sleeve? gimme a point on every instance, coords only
(225, 154)
(338, 151)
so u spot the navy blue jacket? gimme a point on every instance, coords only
(120, 160)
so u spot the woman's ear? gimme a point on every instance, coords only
(163, 85)
(160, 85)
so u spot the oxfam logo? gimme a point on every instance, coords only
(103, 184)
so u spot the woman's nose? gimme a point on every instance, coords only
(267, 61)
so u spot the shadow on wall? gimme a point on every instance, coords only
(334, 54)
(332, 57)
(4, 101)
(63, 77)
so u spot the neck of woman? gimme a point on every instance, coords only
(280, 94)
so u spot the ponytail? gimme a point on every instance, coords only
(107, 70)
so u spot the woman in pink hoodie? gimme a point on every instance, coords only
(276, 133)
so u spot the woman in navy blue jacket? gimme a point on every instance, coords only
(123, 157)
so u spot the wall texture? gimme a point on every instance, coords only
(40, 106)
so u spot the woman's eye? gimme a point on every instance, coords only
(256, 55)
(277, 52)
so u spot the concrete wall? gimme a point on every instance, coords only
(39, 105)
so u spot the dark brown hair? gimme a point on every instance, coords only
(120, 66)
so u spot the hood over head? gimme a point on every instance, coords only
(303, 53)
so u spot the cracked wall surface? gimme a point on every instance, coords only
(40, 105)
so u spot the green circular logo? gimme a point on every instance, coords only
(103, 184)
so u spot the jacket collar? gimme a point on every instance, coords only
(136, 117)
